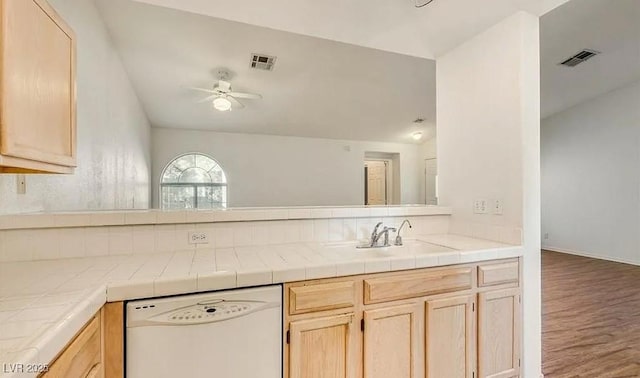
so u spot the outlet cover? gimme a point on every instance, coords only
(480, 206)
(198, 238)
(22, 184)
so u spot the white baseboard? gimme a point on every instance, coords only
(591, 255)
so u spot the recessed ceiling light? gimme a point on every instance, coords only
(417, 135)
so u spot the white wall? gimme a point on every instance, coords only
(488, 106)
(113, 132)
(591, 177)
(266, 170)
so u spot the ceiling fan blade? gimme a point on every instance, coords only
(208, 98)
(253, 96)
(235, 102)
(203, 90)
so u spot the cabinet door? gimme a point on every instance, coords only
(37, 87)
(450, 337)
(392, 341)
(499, 334)
(323, 348)
(83, 356)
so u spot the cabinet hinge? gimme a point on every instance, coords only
(288, 337)
(473, 307)
(519, 362)
(473, 374)
(362, 325)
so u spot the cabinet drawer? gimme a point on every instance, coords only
(420, 284)
(82, 358)
(319, 297)
(496, 274)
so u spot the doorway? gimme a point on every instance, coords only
(431, 181)
(376, 173)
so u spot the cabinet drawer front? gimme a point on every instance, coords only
(421, 284)
(319, 297)
(497, 274)
(82, 358)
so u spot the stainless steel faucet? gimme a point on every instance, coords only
(375, 235)
(398, 241)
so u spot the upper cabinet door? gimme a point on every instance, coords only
(323, 348)
(450, 337)
(499, 334)
(37, 88)
(392, 342)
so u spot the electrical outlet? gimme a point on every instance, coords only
(480, 206)
(497, 207)
(546, 235)
(22, 184)
(198, 238)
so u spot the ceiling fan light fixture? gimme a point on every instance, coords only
(222, 104)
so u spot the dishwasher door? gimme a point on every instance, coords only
(231, 334)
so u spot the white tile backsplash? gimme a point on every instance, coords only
(70, 242)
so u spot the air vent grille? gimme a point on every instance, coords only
(263, 62)
(580, 57)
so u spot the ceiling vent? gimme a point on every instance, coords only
(580, 57)
(262, 62)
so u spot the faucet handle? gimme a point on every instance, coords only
(386, 231)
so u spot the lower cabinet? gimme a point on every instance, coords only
(392, 340)
(450, 337)
(323, 347)
(453, 333)
(499, 333)
(83, 357)
(97, 350)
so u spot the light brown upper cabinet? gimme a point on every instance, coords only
(37, 89)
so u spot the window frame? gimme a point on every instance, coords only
(195, 186)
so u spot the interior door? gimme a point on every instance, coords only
(430, 181)
(376, 182)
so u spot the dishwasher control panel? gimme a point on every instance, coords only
(219, 311)
(196, 309)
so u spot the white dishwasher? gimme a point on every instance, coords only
(228, 334)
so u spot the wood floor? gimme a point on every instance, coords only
(590, 317)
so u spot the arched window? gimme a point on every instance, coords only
(193, 181)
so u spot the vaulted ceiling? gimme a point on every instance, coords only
(391, 25)
(611, 27)
(318, 88)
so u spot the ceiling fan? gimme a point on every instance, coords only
(222, 95)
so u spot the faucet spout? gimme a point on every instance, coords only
(398, 241)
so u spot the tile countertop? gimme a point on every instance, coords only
(43, 304)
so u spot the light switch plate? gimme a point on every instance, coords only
(497, 207)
